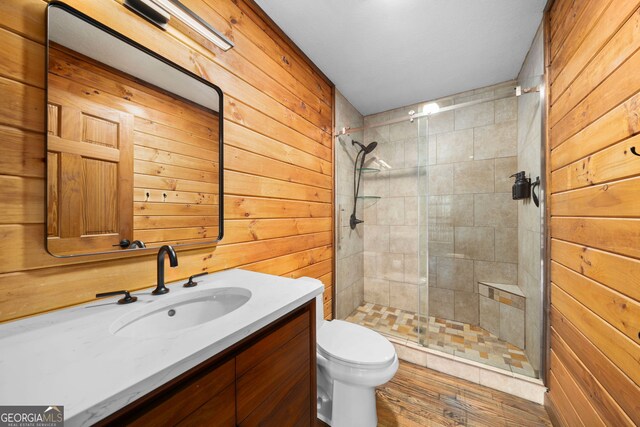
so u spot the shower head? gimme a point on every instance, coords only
(367, 149)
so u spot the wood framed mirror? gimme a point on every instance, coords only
(134, 144)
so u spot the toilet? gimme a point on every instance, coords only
(352, 362)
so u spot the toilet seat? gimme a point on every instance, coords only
(354, 345)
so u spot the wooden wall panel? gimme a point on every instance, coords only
(593, 56)
(278, 183)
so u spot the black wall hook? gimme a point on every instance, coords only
(535, 184)
(633, 150)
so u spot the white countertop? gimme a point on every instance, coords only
(68, 357)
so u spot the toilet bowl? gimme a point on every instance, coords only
(352, 362)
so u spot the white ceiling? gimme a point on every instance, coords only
(383, 54)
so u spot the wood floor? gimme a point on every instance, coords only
(418, 396)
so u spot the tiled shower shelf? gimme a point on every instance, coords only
(369, 197)
(512, 289)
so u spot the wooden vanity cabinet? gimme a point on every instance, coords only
(267, 379)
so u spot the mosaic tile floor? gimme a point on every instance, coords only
(457, 338)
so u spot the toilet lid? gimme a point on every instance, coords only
(354, 344)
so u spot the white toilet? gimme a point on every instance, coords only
(352, 362)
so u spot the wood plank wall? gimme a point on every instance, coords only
(278, 157)
(593, 60)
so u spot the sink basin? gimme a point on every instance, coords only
(174, 313)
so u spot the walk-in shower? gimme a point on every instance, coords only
(448, 259)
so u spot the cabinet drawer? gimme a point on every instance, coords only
(272, 342)
(219, 411)
(183, 399)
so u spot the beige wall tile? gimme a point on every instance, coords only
(505, 167)
(456, 210)
(512, 325)
(440, 179)
(391, 211)
(411, 154)
(473, 177)
(495, 209)
(369, 214)
(411, 211)
(412, 269)
(455, 273)
(456, 146)
(403, 239)
(496, 272)
(345, 303)
(507, 244)
(474, 116)
(391, 152)
(466, 307)
(376, 291)
(376, 238)
(370, 264)
(489, 315)
(379, 134)
(475, 242)
(403, 296)
(441, 303)
(462, 210)
(349, 270)
(403, 130)
(374, 184)
(390, 266)
(496, 140)
(506, 109)
(441, 122)
(441, 248)
(403, 182)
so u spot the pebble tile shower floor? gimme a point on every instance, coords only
(457, 338)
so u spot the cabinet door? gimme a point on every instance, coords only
(273, 377)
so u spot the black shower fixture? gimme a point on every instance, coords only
(523, 188)
(364, 150)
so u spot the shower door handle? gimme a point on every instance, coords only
(339, 225)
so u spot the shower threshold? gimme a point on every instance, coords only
(456, 338)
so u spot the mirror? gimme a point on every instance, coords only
(134, 144)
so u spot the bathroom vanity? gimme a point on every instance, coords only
(107, 365)
(269, 376)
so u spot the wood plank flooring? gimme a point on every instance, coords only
(418, 396)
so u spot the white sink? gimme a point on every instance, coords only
(169, 314)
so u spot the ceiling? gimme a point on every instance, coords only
(384, 54)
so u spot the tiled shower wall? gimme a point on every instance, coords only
(529, 225)
(473, 221)
(391, 269)
(349, 243)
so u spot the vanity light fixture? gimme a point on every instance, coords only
(158, 12)
(194, 22)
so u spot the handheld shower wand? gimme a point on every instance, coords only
(364, 150)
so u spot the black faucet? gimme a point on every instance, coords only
(173, 262)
